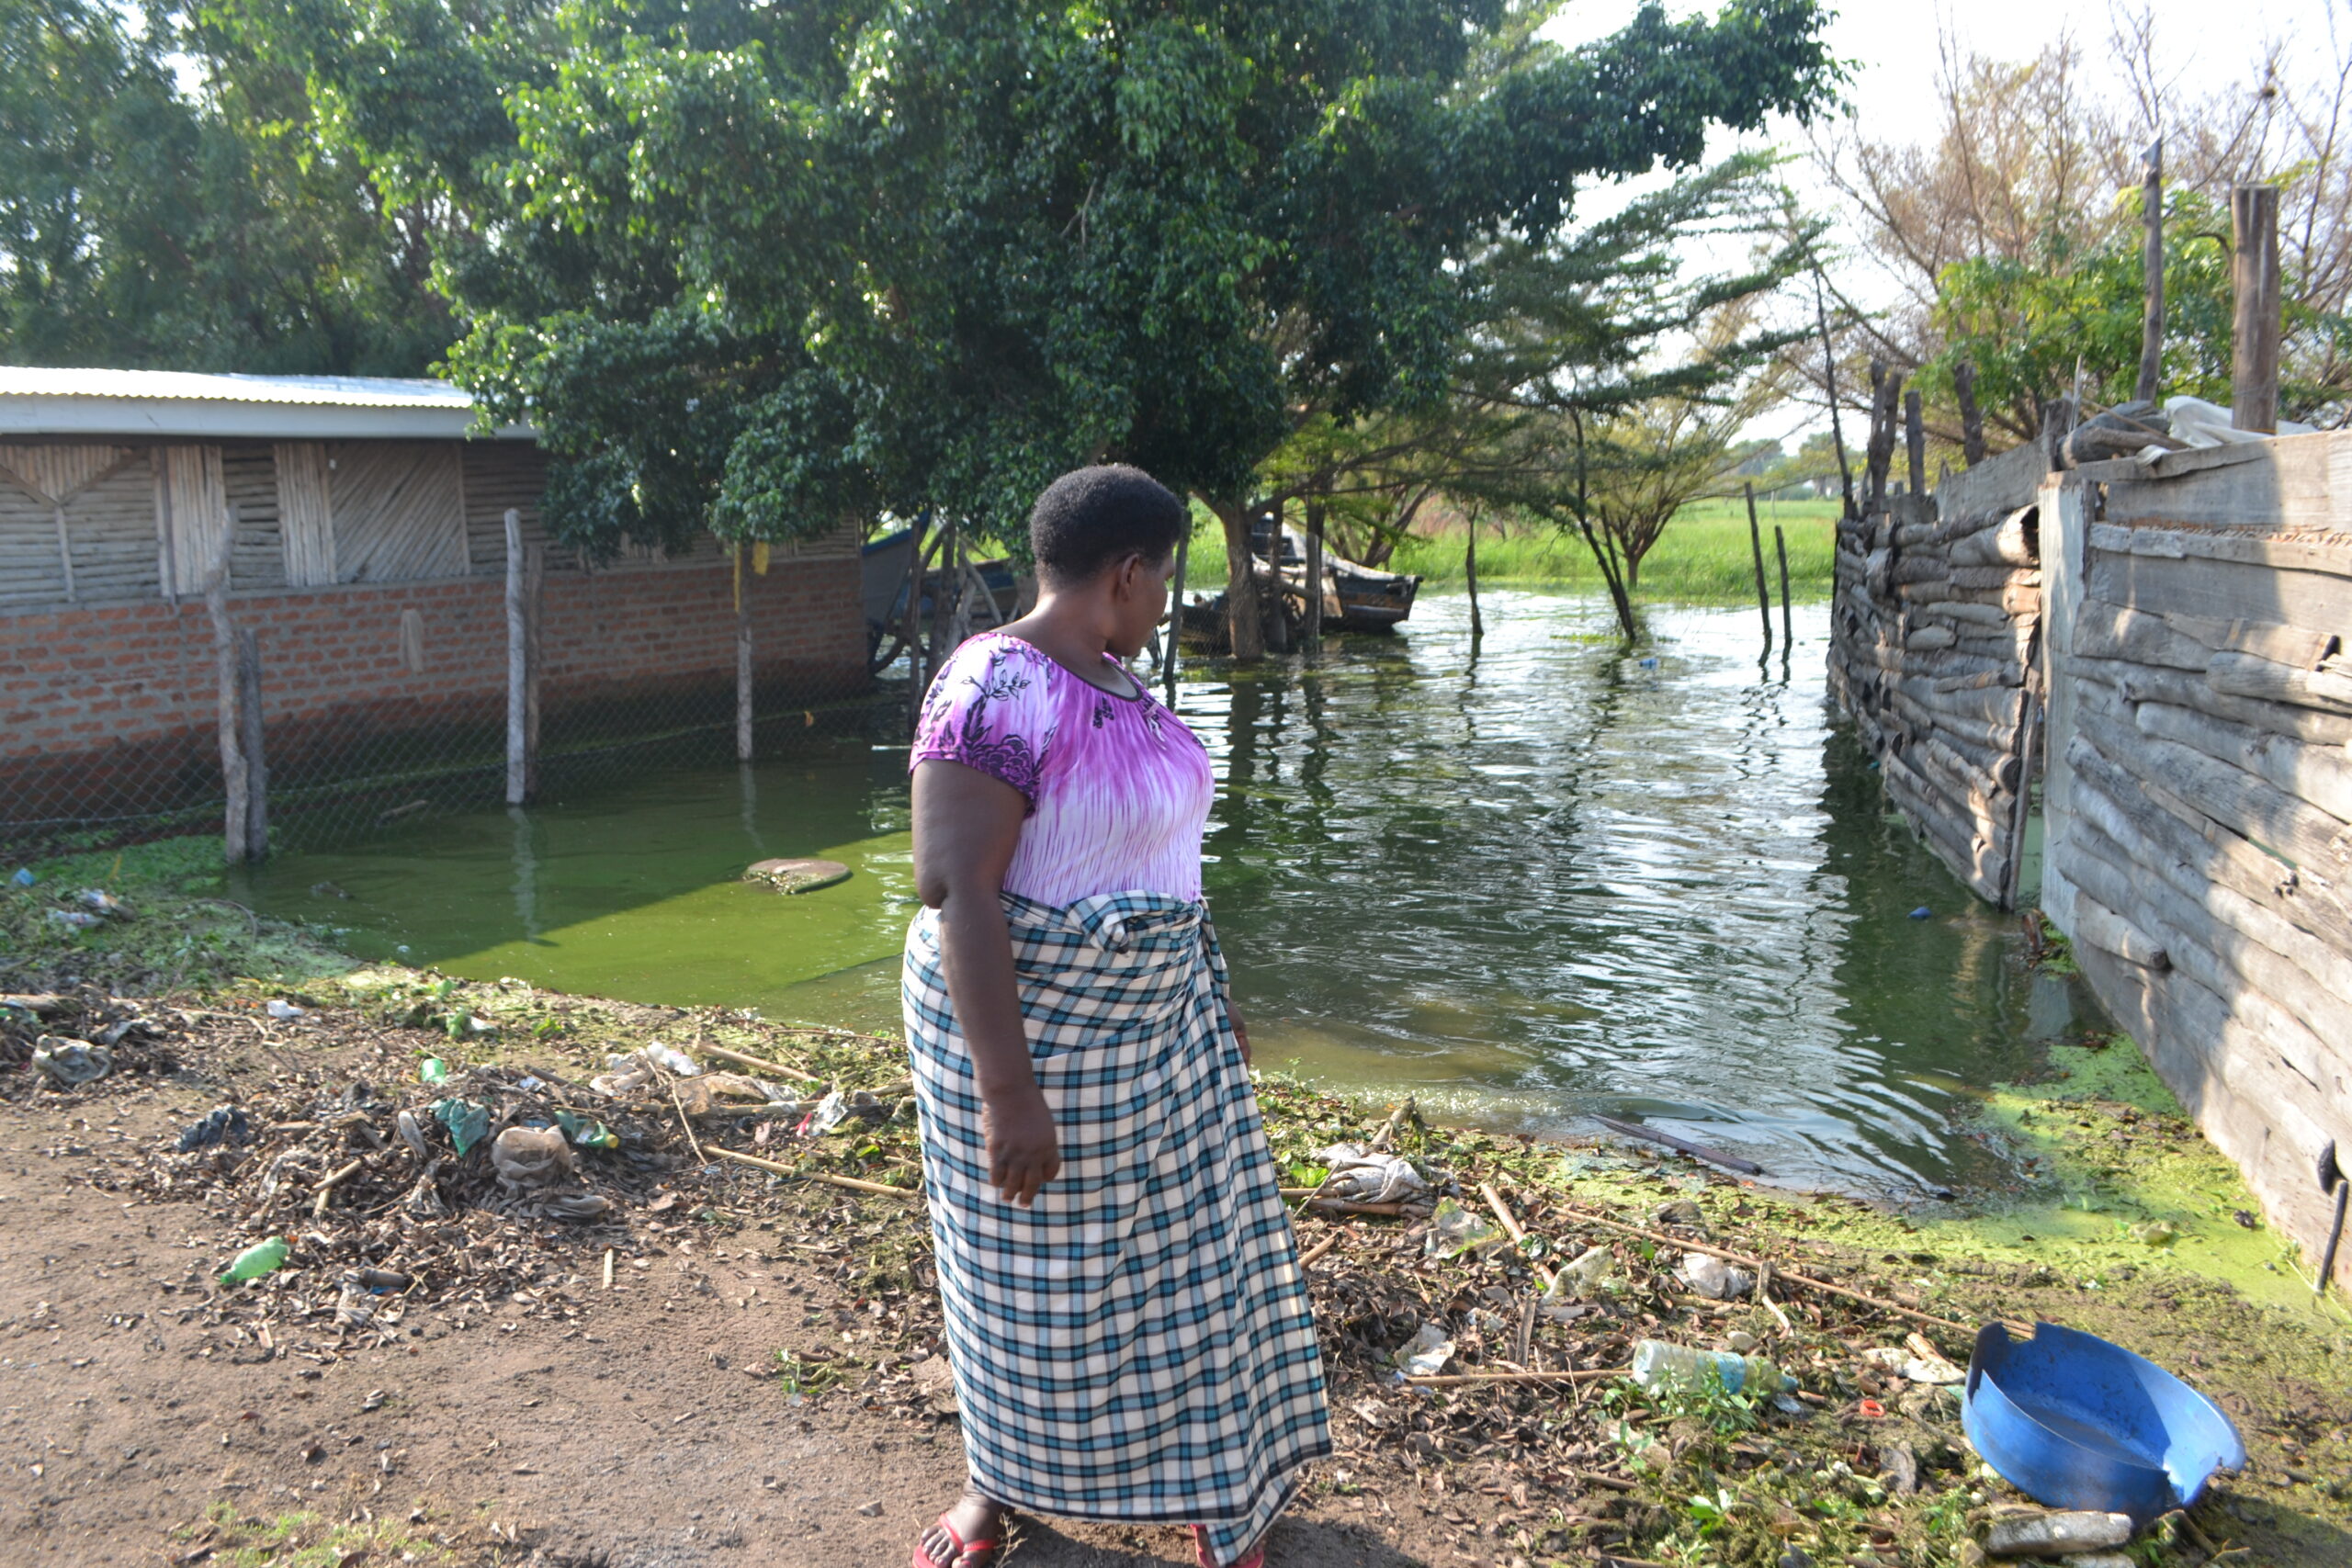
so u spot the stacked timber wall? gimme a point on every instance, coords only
(1937, 616)
(2200, 793)
(2164, 646)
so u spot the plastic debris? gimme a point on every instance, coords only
(586, 1130)
(1682, 1212)
(1426, 1353)
(1589, 1275)
(413, 1134)
(433, 1069)
(467, 1121)
(1660, 1367)
(226, 1125)
(831, 1112)
(1363, 1176)
(1921, 913)
(630, 1072)
(2056, 1535)
(23, 876)
(364, 1293)
(255, 1261)
(671, 1059)
(103, 902)
(530, 1156)
(284, 1011)
(1455, 1230)
(1714, 1277)
(69, 1064)
(75, 920)
(1915, 1367)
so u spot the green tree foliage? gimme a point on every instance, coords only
(145, 226)
(768, 269)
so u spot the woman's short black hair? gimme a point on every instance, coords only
(1090, 519)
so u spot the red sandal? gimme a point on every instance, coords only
(966, 1551)
(1257, 1558)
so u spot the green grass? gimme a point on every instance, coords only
(1702, 558)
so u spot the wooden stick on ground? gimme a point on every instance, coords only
(1320, 1247)
(849, 1183)
(1764, 1294)
(738, 1057)
(325, 1190)
(1510, 1228)
(1458, 1380)
(608, 1268)
(685, 1125)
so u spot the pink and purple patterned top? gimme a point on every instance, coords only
(1118, 787)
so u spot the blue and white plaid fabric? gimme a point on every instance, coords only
(1137, 1346)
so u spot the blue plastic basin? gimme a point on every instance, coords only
(2075, 1422)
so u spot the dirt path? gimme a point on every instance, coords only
(648, 1432)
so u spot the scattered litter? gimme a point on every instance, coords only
(75, 920)
(831, 1112)
(23, 876)
(628, 1073)
(586, 1130)
(1661, 1367)
(1682, 1212)
(1363, 1176)
(284, 1011)
(669, 1058)
(466, 1121)
(1424, 1355)
(529, 1157)
(1921, 913)
(1455, 1230)
(1914, 1366)
(363, 1295)
(1714, 1277)
(433, 1069)
(413, 1134)
(1589, 1275)
(69, 1064)
(227, 1124)
(2056, 1535)
(262, 1257)
(104, 903)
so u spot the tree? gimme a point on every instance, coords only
(141, 226)
(765, 271)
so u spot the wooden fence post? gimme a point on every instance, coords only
(1780, 548)
(1176, 602)
(1972, 418)
(1886, 387)
(1314, 627)
(235, 781)
(535, 576)
(2253, 274)
(742, 665)
(2152, 267)
(249, 734)
(1756, 548)
(1915, 442)
(521, 759)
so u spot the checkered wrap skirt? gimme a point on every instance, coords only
(1137, 1345)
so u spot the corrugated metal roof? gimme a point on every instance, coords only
(335, 391)
(64, 401)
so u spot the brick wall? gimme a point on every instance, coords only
(111, 711)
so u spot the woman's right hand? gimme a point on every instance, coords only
(1024, 1152)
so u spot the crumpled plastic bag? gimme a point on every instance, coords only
(1455, 1230)
(712, 1091)
(467, 1123)
(1715, 1279)
(69, 1064)
(364, 1294)
(1363, 1176)
(1914, 1367)
(223, 1124)
(531, 1156)
(1587, 1276)
(628, 1073)
(1426, 1353)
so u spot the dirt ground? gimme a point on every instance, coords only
(540, 1416)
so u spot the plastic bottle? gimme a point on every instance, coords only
(1659, 1367)
(433, 1070)
(256, 1260)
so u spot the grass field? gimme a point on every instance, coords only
(1702, 558)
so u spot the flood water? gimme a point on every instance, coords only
(1526, 880)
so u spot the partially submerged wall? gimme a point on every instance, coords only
(2174, 667)
(1937, 619)
(2199, 792)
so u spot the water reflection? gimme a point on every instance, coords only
(1540, 877)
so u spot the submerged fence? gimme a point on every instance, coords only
(2181, 689)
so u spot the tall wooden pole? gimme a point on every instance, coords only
(1780, 548)
(249, 736)
(910, 627)
(1470, 578)
(535, 578)
(519, 760)
(236, 814)
(1176, 603)
(1886, 387)
(1314, 627)
(1915, 442)
(1829, 376)
(1972, 418)
(2151, 265)
(742, 665)
(1756, 548)
(2253, 273)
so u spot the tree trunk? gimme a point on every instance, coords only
(1245, 629)
(2152, 268)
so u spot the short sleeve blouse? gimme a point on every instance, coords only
(1118, 787)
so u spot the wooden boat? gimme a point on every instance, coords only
(1355, 597)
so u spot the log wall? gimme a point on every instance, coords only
(1936, 628)
(2164, 648)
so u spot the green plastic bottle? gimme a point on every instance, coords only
(256, 1260)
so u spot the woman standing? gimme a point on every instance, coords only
(1126, 1315)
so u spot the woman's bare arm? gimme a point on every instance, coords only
(966, 826)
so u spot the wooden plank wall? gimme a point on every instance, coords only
(1935, 627)
(2199, 853)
